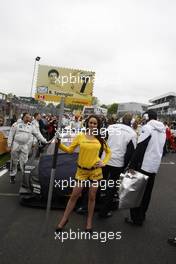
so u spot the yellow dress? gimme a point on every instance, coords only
(88, 157)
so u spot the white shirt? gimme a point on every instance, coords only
(119, 137)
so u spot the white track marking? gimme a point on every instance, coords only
(9, 194)
(169, 162)
(4, 171)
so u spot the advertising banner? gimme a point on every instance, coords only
(56, 82)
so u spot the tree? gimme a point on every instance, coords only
(58, 106)
(95, 100)
(42, 103)
(104, 106)
(10, 96)
(51, 105)
(113, 109)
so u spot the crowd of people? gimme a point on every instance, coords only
(136, 145)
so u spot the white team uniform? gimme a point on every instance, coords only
(18, 140)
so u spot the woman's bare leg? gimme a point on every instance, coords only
(70, 205)
(91, 206)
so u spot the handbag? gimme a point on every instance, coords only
(131, 189)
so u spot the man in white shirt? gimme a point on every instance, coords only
(147, 159)
(122, 141)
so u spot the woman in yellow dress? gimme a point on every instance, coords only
(89, 167)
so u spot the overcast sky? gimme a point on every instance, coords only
(130, 44)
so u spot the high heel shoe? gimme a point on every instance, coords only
(59, 229)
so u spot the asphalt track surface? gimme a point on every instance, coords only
(22, 240)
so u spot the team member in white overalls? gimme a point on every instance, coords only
(35, 122)
(18, 143)
(33, 140)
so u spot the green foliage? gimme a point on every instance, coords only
(4, 158)
(104, 106)
(95, 100)
(58, 106)
(51, 105)
(42, 103)
(113, 109)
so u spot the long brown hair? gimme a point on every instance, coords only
(98, 136)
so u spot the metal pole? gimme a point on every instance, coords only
(33, 78)
(36, 59)
(53, 170)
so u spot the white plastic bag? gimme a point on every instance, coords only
(132, 189)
